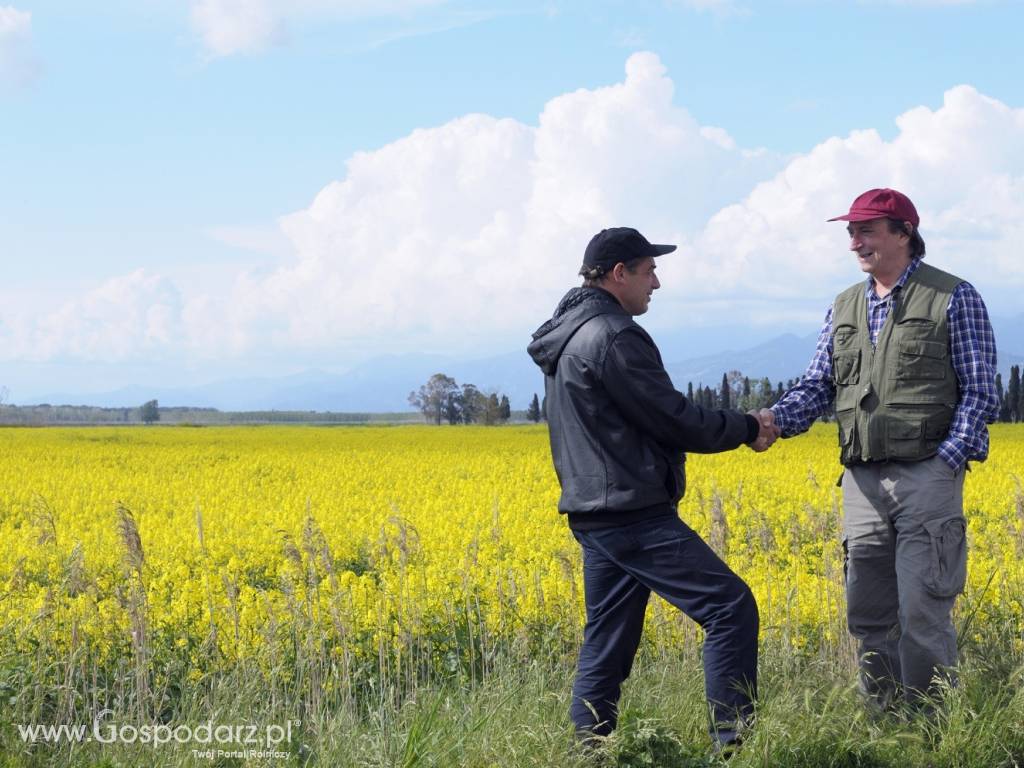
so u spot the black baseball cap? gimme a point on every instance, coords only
(610, 246)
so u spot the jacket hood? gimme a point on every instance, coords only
(575, 308)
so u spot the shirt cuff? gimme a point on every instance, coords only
(753, 429)
(780, 420)
(953, 451)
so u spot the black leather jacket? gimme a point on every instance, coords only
(619, 429)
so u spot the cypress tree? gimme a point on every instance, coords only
(1013, 393)
(767, 395)
(725, 391)
(492, 410)
(1004, 401)
(533, 411)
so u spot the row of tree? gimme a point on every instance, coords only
(443, 398)
(1011, 402)
(152, 412)
(737, 391)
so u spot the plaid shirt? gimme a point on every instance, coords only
(973, 353)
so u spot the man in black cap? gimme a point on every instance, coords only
(619, 432)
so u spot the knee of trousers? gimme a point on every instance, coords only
(923, 616)
(871, 611)
(740, 613)
(747, 611)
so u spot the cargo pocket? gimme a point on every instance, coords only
(947, 566)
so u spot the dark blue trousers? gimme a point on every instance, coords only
(621, 567)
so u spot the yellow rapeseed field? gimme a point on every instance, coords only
(221, 544)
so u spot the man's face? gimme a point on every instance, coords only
(635, 288)
(879, 251)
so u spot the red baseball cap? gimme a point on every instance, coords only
(881, 203)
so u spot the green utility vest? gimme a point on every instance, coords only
(895, 400)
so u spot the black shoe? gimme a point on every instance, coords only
(725, 743)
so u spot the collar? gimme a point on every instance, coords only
(869, 284)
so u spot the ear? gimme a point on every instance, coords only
(618, 271)
(908, 229)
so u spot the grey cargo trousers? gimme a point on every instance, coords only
(906, 561)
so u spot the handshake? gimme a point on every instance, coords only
(769, 431)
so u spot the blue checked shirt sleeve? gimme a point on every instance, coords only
(973, 352)
(813, 394)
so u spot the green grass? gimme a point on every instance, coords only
(809, 716)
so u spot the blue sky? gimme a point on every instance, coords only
(192, 190)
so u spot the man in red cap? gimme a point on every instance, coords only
(908, 357)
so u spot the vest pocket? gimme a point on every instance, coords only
(920, 359)
(947, 568)
(846, 367)
(936, 428)
(847, 420)
(903, 439)
(844, 336)
(915, 328)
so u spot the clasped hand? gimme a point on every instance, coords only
(769, 431)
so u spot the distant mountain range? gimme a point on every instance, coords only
(384, 383)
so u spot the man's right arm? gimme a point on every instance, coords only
(809, 398)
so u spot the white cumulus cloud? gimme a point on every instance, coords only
(960, 163)
(129, 317)
(477, 224)
(470, 231)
